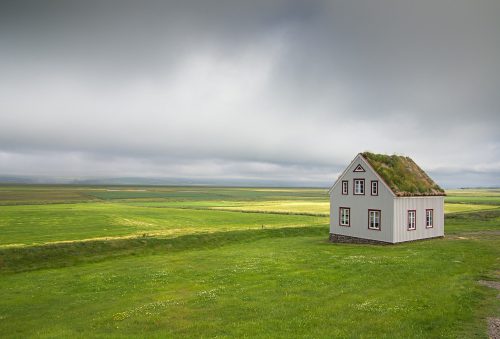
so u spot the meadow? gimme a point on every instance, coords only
(122, 261)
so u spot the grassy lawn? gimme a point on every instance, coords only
(175, 268)
(31, 224)
(275, 286)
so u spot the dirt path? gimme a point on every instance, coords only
(494, 328)
(490, 284)
(493, 323)
(472, 235)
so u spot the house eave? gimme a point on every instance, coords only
(423, 195)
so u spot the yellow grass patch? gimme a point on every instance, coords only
(134, 222)
(287, 206)
(454, 208)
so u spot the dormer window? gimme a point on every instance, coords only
(345, 187)
(374, 187)
(359, 186)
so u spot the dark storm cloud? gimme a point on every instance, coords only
(260, 89)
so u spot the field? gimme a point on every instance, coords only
(230, 262)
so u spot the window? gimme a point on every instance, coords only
(412, 220)
(359, 186)
(359, 168)
(374, 187)
(429, 218)
(344, 216)
(374, 219)
(345, 187)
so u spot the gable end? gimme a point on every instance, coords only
(360, 159)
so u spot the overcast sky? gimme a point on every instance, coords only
(282, 91)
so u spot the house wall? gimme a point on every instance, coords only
(359, 205)
(420, 204)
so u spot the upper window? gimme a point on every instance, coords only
(345, 187)
(344, 216)
(359, 168)
(374, 219)
(359, 186)
(412, 220)
(429, 218)
(374, 188)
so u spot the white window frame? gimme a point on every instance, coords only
(429, 218)
(359, 186)
(344, 216)
(374, 219)
(345, 187)
(412, 220)
(374, 187)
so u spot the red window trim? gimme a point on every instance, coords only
(408, 217)
(379, 221)
(347, 187)
(371, 187)
(354, 186)
(340, 216)
(432, 217)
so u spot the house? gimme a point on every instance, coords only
(385, 199)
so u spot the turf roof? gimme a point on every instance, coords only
(402, 175)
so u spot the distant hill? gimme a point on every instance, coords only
(17, 180)
(7, 179)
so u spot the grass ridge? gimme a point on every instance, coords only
(61, 254)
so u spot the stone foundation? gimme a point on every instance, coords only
(346, 239)
(339, 238)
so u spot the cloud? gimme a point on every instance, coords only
(262, 89)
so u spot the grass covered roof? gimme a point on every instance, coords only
(402, 175)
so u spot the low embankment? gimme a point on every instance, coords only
(68, 253)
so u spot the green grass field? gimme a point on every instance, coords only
(232, 262)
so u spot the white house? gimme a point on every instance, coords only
(385, 199)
